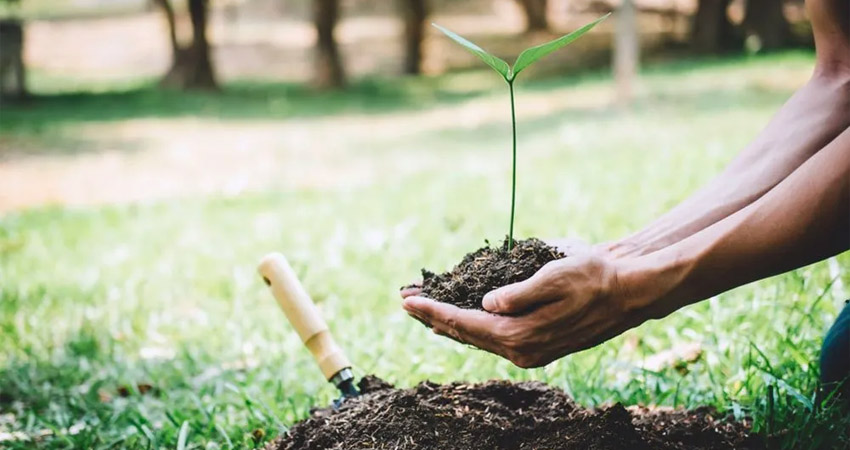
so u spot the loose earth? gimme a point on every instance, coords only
(486, 269)
(504, 415)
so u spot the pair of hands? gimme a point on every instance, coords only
(569, 305)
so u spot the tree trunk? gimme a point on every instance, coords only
(12, 71)
(415, 13)
(329, 73)
(191, 65)
(626, 51)
(202, 71)
(712, 31)
(535, 15)
(765, 20)
(165, 5)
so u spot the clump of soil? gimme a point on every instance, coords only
(503, 415)
(486, 269)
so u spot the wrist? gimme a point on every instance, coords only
(648, 286)
(833, 68)
(652, 238)
(623, 248)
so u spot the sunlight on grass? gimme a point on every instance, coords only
(98, 301)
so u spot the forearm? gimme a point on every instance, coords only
(811, 118)
(804, 219)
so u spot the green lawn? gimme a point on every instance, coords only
(100, 300)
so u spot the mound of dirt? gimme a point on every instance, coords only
(486, 269)
(503, 415)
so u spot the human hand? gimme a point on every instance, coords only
(569, 305)
(567, 246)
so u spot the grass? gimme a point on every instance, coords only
(50, 118)
(58, 9)
(102, 301)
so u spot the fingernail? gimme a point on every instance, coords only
(408, 306)
(489, 300)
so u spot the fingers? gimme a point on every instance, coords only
(517, 297)
(502, 335)
(464, 325)
(411, 290)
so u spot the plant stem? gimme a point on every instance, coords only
(513, 173)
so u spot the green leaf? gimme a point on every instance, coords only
(805, 401)
(496, 63)
(183, 435)
(530, 55)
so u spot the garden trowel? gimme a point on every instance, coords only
(305, 318)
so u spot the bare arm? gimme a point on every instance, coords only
(783, 203)
(804, 219)
(811, 118)
(578, 302)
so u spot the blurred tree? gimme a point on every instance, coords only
(12, 71)
(712, 31)
(329, 72)
(765, 20)
(191, 65)
(415, 12)
(626, 51)
(535, 14)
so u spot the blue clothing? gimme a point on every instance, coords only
(835, 356)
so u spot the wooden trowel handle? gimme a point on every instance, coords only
(302, 314)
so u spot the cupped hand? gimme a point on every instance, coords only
(569, 305)
(567, 246)
(411, 290)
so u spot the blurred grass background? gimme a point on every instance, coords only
(98, 300)
(132, 218)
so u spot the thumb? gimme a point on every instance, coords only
(521, 296)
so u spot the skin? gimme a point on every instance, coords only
(783, 203)
(810, 119)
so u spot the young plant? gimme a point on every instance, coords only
(525, 59)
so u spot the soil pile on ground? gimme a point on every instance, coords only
(486, 269)
(503, 415)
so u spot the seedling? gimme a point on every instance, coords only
(528, 57)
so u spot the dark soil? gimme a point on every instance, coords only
(504, 415)
(486, 269)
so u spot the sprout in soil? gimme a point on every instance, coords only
(525, 59)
